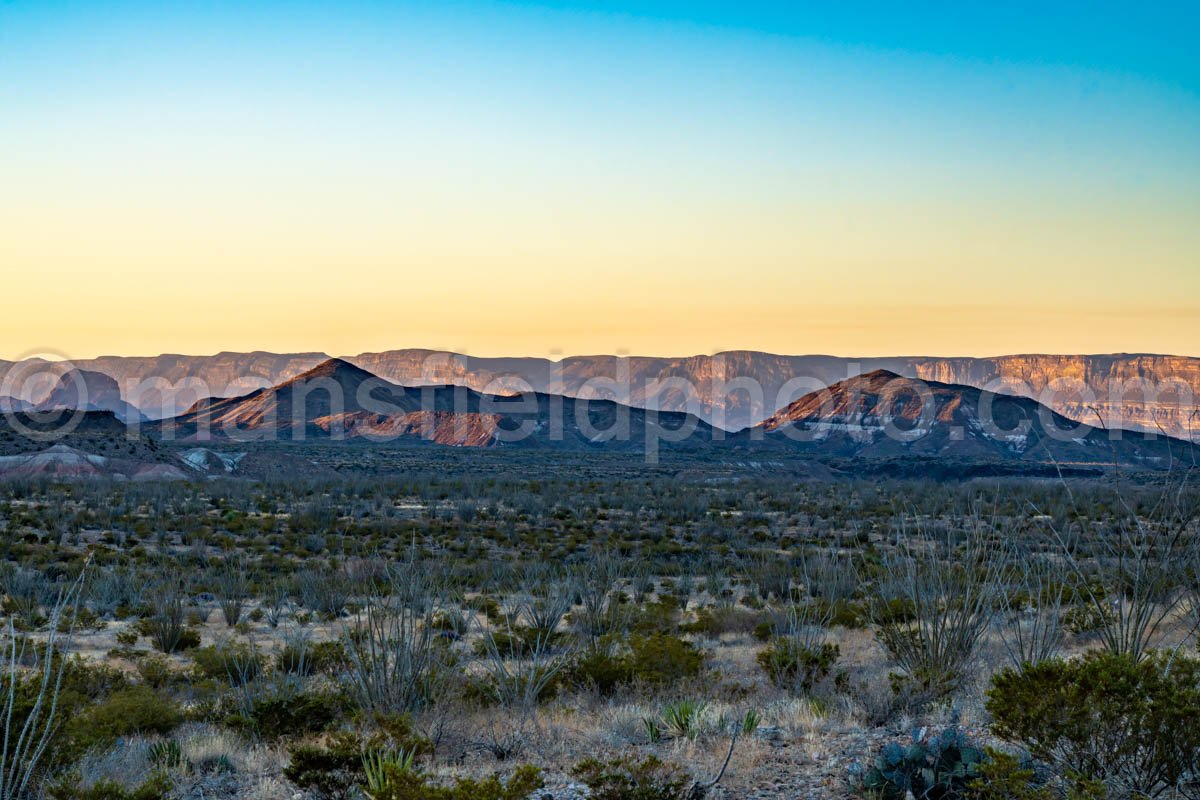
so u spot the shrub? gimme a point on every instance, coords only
(515, 642)
(279, 715)
(657, 617)
(1085, 619)
(796, 667)
(1004, 777)
(136, 710)
(404, 783)
(1131, 725)
(653, 659)
(236, 663)
(601, 670)
(331, 770)
(157, 787)
(713, 622)
(335, 768)
(155, 670)
(305, 658)
(627, 779)
(657, 659)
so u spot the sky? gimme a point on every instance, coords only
(655, 178)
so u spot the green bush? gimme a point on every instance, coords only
(1004, 777)
(796, 667)
(657, 617)
(1106, 718)
(514, 642)
(1087, 618)
(332, 770)
(602, 670)
(136, 710)
(658, 659)
(654, 659)
(279, 715)
(627, 779)
(155, 670)
(312, 658)
(235, 663)
(714, 622)
(399, 783)
(156, 787)
(335, 768)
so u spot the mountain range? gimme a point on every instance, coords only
(1136, 392)
(340, 401)
(877, 415)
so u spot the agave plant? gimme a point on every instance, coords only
(682, 720)
(167, 754)
(380, 765)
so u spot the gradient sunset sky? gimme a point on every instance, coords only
(643, 177)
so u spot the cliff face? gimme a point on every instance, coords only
(732, 390)
(739, 389)
(1137, 392)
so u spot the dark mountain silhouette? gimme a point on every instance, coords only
(337, 400)
(87, 390)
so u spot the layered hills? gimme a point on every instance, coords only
(731, 390)
(873, 416)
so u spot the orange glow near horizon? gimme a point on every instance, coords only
(541, 181)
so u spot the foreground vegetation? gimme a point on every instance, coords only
(615, 633)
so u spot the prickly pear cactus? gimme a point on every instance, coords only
(932, 768)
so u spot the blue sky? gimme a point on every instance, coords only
(982, 164)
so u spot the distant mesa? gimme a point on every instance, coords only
(87, 390)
